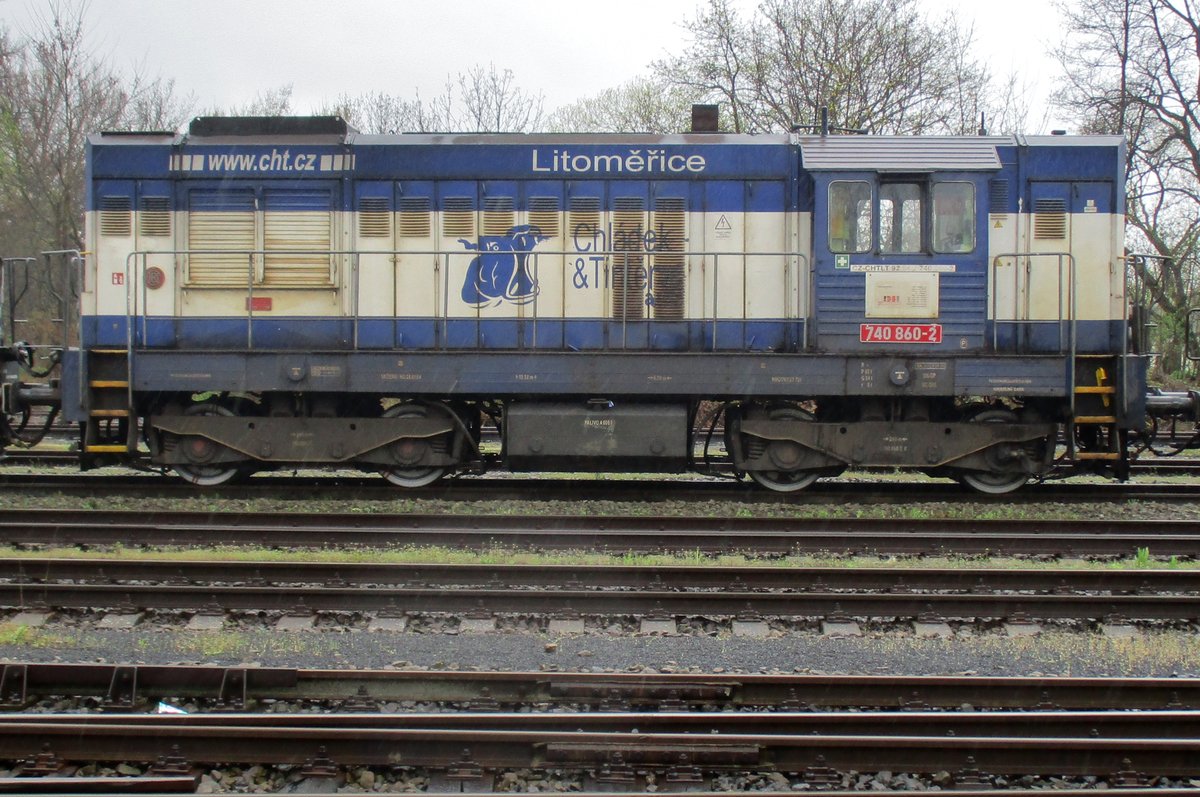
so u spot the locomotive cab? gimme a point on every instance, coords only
(969, 328)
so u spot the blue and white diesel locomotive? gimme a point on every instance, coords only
(266, 292)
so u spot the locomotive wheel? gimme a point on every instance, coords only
(783, 453)
(199, 449)
(998, 481)
(410, 449)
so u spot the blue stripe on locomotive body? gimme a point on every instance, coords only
(442, 158)
(446, 334)
(595, 334)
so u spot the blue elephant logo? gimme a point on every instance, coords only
(500, 273)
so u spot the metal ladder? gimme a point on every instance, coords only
(110, 427)
(1094, 412)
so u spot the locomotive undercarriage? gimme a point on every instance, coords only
(211, 439)
(988, 446)
(780, 437)
(220, 438)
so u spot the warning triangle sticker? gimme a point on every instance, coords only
(723, 223)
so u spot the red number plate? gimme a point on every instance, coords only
(900, 333)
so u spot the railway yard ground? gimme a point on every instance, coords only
(524, 641)
(707, 597)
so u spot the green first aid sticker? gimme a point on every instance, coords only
(841, 261)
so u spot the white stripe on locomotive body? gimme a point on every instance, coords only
(736, 265)
(771, 286)
(1039, 292)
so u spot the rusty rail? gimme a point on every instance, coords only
(489, 746)
(124, 686)
(51, 527)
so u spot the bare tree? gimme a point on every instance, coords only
(54, 92)
(719, 65)
(483, 100)
(642, 105)
(268, 102)
(876, 64)
(376, 112)
(480, 100)
(1132, 67)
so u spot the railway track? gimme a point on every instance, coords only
(43, 528)
(655, 594)
(473, 749)
(132, 687)
(863, 488)
(690, 732)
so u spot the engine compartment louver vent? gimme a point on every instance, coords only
(998, 197)
(154, 216)
(415, 218)
(498, 215)
(544, 214)
(374, 218)
(628, 258)
(1050, 220)
(583, 218)
(116, 216)
(668, 284)
(458, 216)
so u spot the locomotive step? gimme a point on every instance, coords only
(106, 448)
(1095, 419)
(1098, 455)
(1101, 389)
(108, 383)
(108, 413)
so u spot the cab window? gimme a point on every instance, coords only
(900, 217)
(851, 219)
(953, 217)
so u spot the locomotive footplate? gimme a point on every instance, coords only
(301, 439)
(921, 444)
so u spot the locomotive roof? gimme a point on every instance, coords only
(619, 139)
(901, 153)
(836, 151)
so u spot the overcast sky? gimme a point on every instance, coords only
(224, 52)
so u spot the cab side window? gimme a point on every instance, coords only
(851, 217)
(900, 217)
(953, 217)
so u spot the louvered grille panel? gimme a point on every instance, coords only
(220, 221)
(1050, 220)
(374, 218)
(300, 232)
(297, 237)
(208, 230)
(415, 218)
(154, 216)
(116, 216)
(668, 287)
(458, 216)
(628, 267)
(583, 219)
(998, 197)
(498, 215)
(544, 214)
